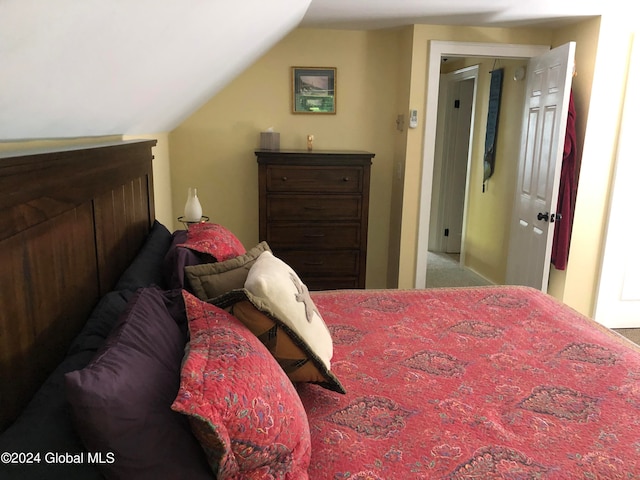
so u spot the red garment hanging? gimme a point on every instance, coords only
(566, 193)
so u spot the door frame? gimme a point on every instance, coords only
(438, 49)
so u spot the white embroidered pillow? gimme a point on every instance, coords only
(283, 306)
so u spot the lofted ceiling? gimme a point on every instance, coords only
(72, 68)
(370, 14)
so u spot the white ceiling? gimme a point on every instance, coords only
(370, 14)
(72, 68)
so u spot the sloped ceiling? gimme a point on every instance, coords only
(489, 13)
(77, 68)
(71, 68)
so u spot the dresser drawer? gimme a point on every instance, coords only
(321, 263)
(314, 179)
(314, 207)
(314, 236)
(313, 212)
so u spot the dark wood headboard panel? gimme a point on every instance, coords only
(71, 220)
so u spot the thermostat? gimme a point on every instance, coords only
(413, 118)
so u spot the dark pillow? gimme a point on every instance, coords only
(211, 280)
(120, 402)
(179, 257)
(146, 268)
(44, 427)
(101, 321)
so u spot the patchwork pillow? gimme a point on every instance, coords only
(213, 279)
(213, 239)
(121, 401)
(242, 407)
(282, 314)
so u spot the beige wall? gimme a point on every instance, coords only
(602, 49)
(585, 34)
(53, 143)
(415, 138)
(213, 149)
(161, 177)
(382, 74)
(601, 129)
(487, 229)
(404, 69)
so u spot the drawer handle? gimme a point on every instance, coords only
(345, 179)
(284, 179)
(314, 208)
(314, 235)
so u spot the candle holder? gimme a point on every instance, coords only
(186, 222)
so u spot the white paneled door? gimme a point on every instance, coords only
(542, 143)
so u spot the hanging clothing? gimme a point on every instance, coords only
(567, 193)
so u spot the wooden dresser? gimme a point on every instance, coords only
(314, 209)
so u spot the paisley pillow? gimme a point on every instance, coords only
(243, 409)
(213, 239)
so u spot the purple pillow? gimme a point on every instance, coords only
(121, 402)
(178, 257)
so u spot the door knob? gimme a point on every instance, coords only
(543, 216)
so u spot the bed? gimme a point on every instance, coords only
(129, 351)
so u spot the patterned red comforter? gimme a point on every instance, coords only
(481, 383)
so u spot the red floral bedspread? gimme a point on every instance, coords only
(481, 383)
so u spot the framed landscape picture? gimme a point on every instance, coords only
(314, 90)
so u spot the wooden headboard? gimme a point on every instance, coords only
(71, 220)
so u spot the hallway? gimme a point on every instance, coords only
(444, 270)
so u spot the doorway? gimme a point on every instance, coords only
(456, 107)
(438, 50)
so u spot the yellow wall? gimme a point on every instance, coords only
(161, 177)
(598, 160)
(404, 69)
(213, 149)
(415, 138)
(53, 143)
(487, 230)
(382, 74)
(602, 49)
(585, 34)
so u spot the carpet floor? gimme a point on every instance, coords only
(444, 270)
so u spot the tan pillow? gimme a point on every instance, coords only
(293, 360)
(282, 314)
(210, 280)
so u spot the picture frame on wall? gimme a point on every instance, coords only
(314, 90)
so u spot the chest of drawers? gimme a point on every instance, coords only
(314, 210)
